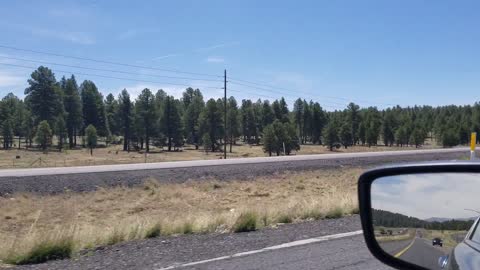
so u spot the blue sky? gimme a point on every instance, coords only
(370, 52)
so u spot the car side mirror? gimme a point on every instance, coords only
(414, 215)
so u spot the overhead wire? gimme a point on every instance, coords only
(107, 62)
(112, 77)
(108, 70)
(263, 85)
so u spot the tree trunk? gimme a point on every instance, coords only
(169, 143)
(19, 142)
(147, 143)
(231, 144)
(91, 151)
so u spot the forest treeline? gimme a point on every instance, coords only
(64, 109)
(395, 220)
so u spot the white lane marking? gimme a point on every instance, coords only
(281, 246)
(215, 162)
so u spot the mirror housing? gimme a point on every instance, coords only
(365, 203)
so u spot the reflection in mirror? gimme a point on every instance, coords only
(422, 218)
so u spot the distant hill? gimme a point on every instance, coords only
(440, 219)
(395, 220)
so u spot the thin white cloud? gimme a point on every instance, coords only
(216, 46)
(199, 50)
(167, 56)
(214, 59)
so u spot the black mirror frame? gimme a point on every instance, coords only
(364, 188)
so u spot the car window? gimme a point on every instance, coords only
(475, 235)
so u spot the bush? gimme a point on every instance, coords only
(187, 228)
(285, 219)
(335, 213)
(246, 222)
(116, 237)
(154, 231)
(45, 251)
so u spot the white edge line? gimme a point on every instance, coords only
(277, 247)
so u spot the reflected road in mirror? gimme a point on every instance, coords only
(419, 218)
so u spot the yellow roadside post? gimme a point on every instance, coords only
(473, 143)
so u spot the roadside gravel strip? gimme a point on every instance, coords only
(166, 252)
(89, 178)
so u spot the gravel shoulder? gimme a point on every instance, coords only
(166, 251)
(53, 184)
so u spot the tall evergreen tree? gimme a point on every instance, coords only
(318, 122)
(111, 109)
(171, 124)
(147, 115)
(43, 96)
(193, 100)
(125, 116)
(73, 109)
(233, 124)
(211, 123)
(93, 108)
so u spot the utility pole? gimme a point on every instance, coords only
(225, 114)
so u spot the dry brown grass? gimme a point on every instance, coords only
(109, 216)
(115, 155)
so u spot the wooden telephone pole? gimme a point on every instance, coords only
(225, 114)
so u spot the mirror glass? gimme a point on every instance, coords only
(422, 218)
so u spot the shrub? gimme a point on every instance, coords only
(154, 231)
(116, 237)
(284, 219)
(336, 212)
(246, 222)
(45, 251)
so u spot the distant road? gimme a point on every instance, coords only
(421, 252)
(88, 178)
(216, 162)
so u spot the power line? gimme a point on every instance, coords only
(107, 70)
(112, 77)
(271, 97)
(236, 81)
(284, 94)
(107, 62)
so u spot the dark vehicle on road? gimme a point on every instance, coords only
(437, 242)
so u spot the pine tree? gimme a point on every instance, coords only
(61, 132)
(43, 96)
(125, 116)
(233, 124)
(194, 103)
(298, 112)
(211, 123)
(330, 134)
(73, 109)
(147, 115)
(91, 138)
(318, 122)
(171, 124)
(270, 140)
(111, 109)
(7, 133)
(93, 108)
(44, 135)
(354, 120)
(346, 134)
